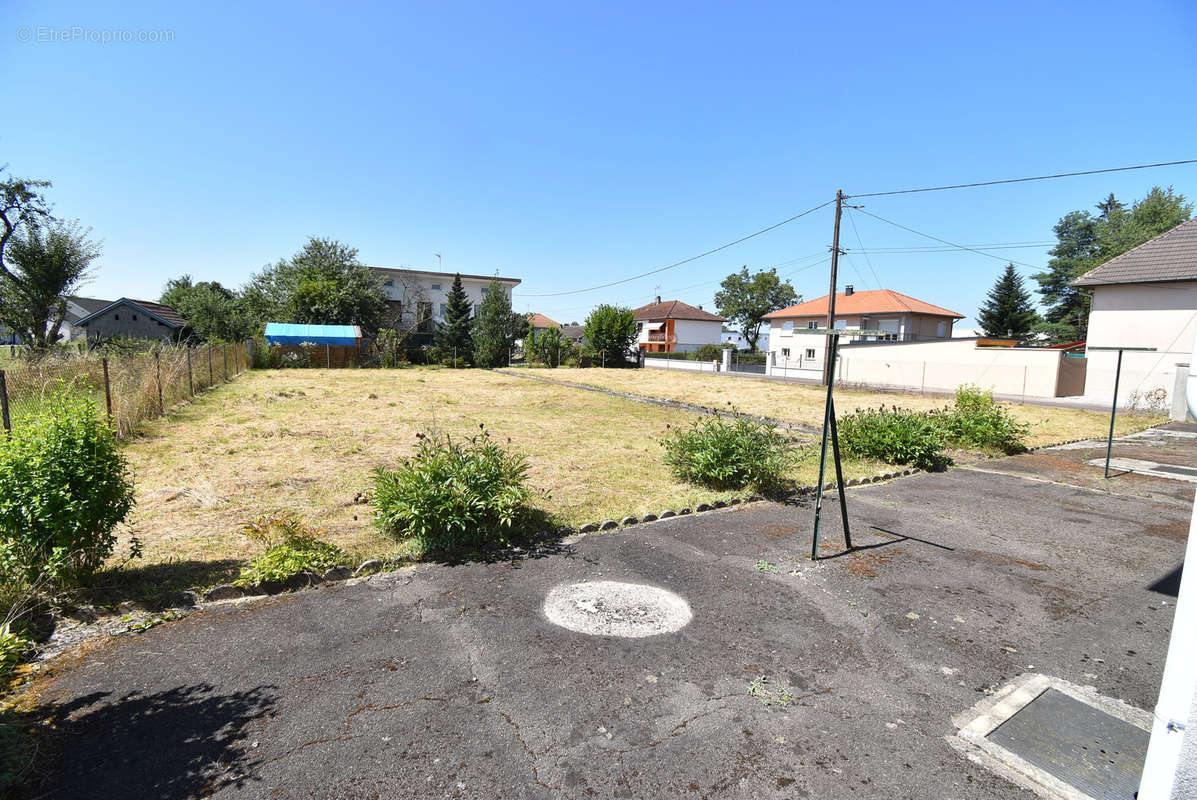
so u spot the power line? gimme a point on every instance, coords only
(685, 260)
(934, 249)
(1024, 180)
(868, 261)
(945, 241)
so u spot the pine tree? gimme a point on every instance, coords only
(1008, 311)
(496, 328)
(453, 335)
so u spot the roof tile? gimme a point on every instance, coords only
(875, 301)
(1171, 256)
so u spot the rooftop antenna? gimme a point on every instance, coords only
(439, 268)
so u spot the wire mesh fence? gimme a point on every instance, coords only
(130, 387)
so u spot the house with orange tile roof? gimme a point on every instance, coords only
(676, 327)
(902, 318)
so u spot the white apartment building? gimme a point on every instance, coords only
(417, 298)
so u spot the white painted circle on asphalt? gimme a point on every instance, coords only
(611, 608)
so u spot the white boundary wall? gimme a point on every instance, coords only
(682, 364)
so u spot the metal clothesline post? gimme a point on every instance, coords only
(1114, 402)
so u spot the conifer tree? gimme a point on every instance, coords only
(496, 328)
(1008, 310)
(454, 333)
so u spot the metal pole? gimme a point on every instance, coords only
(190, 382)
(4, 401)
(158, 379)
(835, 260)
(107, 389)
(211, 374)
(236, 360)
(827, 416)
(1113, 413)
(839, 477)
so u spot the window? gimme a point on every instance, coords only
(116, 317)
(785, 352)
(810, 352)
(485, 291)
(424, 317)
(939, 330)
(812, 325)
(134, 317)
(388, 282)
(444, 307)
(787, 327)
(436, 287)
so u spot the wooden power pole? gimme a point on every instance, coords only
(828, 366)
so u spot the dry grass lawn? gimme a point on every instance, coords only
(804, 404)
(306, 441)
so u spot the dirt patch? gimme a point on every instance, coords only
(1174, 531)
(864, 563)
(1000, 559)
(778, 531)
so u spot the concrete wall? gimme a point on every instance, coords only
(128, 321)
(943, 365)
(680, 364)
(1159, 315)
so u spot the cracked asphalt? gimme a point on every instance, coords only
(448, 681)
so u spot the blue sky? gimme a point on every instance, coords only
(574, 144)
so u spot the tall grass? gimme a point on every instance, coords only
(142, 382)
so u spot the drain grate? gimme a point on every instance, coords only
(1079, 744)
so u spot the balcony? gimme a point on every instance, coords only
(660, 337)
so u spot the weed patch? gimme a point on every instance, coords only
(730, 453)
(291, 548)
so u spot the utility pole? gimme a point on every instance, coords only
(828, 365)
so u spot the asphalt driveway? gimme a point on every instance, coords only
(449, 681)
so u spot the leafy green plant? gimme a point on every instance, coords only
(977, 421)
(13, 648)
(454, 493)
(895, 435)
(729, 452)
(64, 487)
(291, 548)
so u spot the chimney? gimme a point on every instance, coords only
(700, 308)
(658, 299)
(849, 290)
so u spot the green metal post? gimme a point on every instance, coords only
(1113, 413)
(839, 476)
(828, 416)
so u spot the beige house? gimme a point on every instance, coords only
(901, 317)
(1146, 297)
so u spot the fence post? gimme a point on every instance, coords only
(327, 356)
(4, 401)
(158, 378)
(107, 389)
(224, 354)
(211, 374)
(236, 360)
(190, 382)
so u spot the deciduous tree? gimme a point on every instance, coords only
(611, 330)
(745, 300)
(47, 260)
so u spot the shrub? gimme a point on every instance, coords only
(13, 648)
(454, 494)
(729, 453)
(291, 548)
(64, 487)
(978, 421)
(895, 436)
(708, 352)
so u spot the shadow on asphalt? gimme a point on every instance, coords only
(1170, 583)
(184, 742)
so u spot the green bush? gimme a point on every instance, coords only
(291, 548)
(895, 436)
(729, 453)
(978, 422)
(13, 648)
(454, 494)
(64, 487)
(708, 352)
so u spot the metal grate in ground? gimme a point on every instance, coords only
(1077, 743)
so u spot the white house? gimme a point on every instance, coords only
(1146, 297)
(737, 340)
(417, 298)
(901, 317)
(676, 327)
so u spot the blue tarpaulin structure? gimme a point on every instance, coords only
(292, 333)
